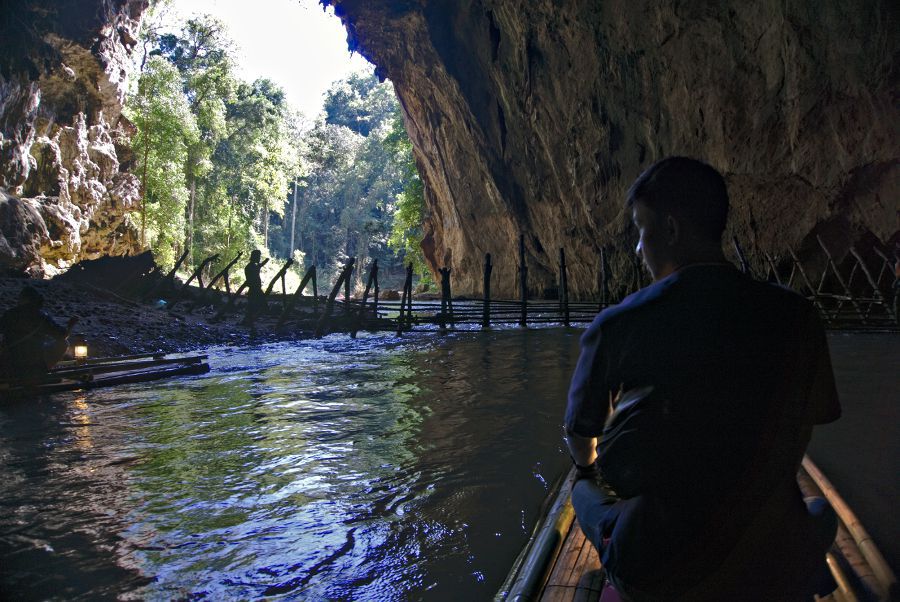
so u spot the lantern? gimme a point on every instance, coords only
(80, 349)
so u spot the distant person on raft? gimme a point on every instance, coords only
(690, 410)
(256, 298)
(32, 342)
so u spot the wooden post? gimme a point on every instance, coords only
(812, 289)
(840, 280)
(772, 267)
(373, 274)
(375, 297)
(446, 296)
(347, 292)
(310, 273)
(196, 273)
(322, 326)
(223, 273)
(315, 283)
(486, 308)
(407, 290)
(279, 275)
(563, 286)
(523, 282)
(876, 291)
(745, 265)
(171, 274)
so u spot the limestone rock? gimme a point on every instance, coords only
(62, 84)
(534, 116)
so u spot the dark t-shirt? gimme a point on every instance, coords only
(743, 370)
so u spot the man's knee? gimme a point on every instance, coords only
(592, 504)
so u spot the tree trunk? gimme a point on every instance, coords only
(265, 225)
(293, 221)
(230, 213)
(189, 235)
(144, 190)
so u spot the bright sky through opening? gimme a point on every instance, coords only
(292, 42)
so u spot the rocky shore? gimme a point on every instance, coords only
(114, 325)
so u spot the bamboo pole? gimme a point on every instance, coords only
(375, 297)
(373, 274)
(486, 289)
(279, 275)
(446, 298)
(882, 572)
(223, 273)
(315, 285)
(347, 292)
(310, 273)
(772, 267)
(407, 287)
(872, 283)
(563, 287)
(745, 265)
(321, 327)
(171, 274)
(409, 291)
(840, 280)
(523, 282)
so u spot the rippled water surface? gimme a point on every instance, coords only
(380, 469)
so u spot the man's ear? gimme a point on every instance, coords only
(673, 229)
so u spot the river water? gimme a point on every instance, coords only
(380, 469)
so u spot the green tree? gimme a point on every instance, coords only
(166, 129)
(406, 230)
(202, 54)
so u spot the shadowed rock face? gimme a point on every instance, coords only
(534, 116)
(64, 191)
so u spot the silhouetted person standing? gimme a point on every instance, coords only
(716, 380)
(256, 299)
(32, 342)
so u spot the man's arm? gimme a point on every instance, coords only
(582, 449)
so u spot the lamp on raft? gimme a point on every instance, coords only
(79, 348)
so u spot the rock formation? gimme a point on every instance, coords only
(64, 187)
(533, 117)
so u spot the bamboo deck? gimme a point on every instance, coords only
(577, 575)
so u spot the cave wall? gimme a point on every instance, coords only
(534, 116)
(64, 151)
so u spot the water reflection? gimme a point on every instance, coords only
(380, 469)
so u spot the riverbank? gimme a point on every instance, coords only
(114, 325)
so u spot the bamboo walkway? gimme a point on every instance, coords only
(848, 293)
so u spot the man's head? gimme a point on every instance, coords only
(680, 207)
(255, 255)
(29, 296)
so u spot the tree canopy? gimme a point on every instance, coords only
(227, 166)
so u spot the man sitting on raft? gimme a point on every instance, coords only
(716, 381)
(32, 342)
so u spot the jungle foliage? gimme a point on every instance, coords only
(226, 166)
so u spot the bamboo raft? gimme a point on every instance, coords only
(105, 372)
(559, 564)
